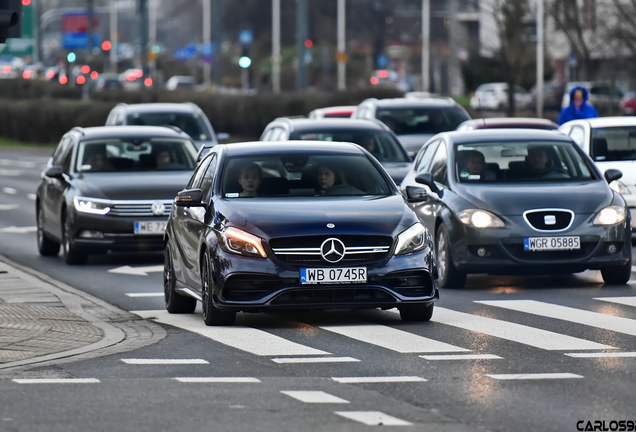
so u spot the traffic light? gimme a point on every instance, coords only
(71, 57)
(245, 61)
(10, 19)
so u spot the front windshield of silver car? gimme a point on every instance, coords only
(496, 162)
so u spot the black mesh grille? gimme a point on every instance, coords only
(333, 296)
(245, 288)
(537, 219)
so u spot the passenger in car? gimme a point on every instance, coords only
(162, 157)
(475, 167)
(331, 181)
(369, 144)
(250, 178)
(98, 160)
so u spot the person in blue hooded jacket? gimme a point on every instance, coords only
(578, 108)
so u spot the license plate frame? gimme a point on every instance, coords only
(333, 276)
(554, 243)
(149, 227)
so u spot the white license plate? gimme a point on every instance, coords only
(333, 275)
(150, 227)
(551, 243)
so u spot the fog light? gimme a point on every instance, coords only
(481, 252)
(611, 249)
(91, 234)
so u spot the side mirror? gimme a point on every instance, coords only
(416, 194)
(427, 180)
(612, 174)
(189, 198)
(223, 137)
(55, 171)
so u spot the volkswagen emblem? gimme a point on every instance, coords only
(330, 225)
(158, 208)
(332, 250)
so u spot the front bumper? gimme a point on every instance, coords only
(253, 284)
(505, 254)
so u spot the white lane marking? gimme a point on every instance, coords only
(534, 376)
(56, 381)
(19, 230)
(393, 339)
(627, 301)
(9, 206)
(315, 360)
(578, 316)
(17, 163)
(314, 396)
(373, 418)
(522, 334)
(244, 338)
(32, 197)
(10, 173)
(164, 361)
(461, 357)
(138, 271)
(159, 294)
(601, 355)
(390, 379)
(217, 380)
(9, 191)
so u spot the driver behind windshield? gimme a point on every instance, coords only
(537, 161)
(330, 180)
(250, 178)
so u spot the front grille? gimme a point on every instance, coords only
(138, 208)
(333, 296)
(306, 249)
(549, 220)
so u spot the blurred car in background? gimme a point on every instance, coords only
(627, 105)
(331, 112)
(603, 95)
(373, 135)
(179, 82)
(132, 79)
(494, 96)
(552, 95)
(414, 120)
(188, 117)
(508, 123)
(108, 82)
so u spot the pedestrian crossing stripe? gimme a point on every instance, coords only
(627, 301)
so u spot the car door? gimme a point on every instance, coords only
(434, 205)
(579, 136)
(420, 164)
(55, 188)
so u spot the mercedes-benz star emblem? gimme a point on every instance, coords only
(158, 208)
(330, 225)
(332, 250)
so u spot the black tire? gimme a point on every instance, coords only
(448, 275)
(617, 275)
(418, 312)
(212, 316)
(46, 246)
(175, 302)
(69, 253)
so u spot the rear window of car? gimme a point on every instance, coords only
(190, 123)
(528, 162)
(120, 155)
(302, 175)
(422, 120)
(379, 143)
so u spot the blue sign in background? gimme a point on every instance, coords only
(72, 41)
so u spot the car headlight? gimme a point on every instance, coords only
(243, 243)
(480, 219)
(91, 205)
(620, 187)
(412, 239)
(610, 215)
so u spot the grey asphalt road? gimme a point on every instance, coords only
(540, 353)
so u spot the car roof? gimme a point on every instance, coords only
(479, 135)
(611, 121)
(266, 147)
(415, 102)
(130, 132)
(161, 107)
(511, 121)
(299, 124)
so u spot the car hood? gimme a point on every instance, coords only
(514, 199)
(397, 170)
(132, 186)
(271, 218)
(413, 143)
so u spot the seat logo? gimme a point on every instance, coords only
(549, 219)
(158, 208)
(332, 250)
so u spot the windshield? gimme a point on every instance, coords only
(533, 161)
(413, 121)
(379, 143)
(136, 155)
(293, 174)
(614, 143)
(190, 123)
